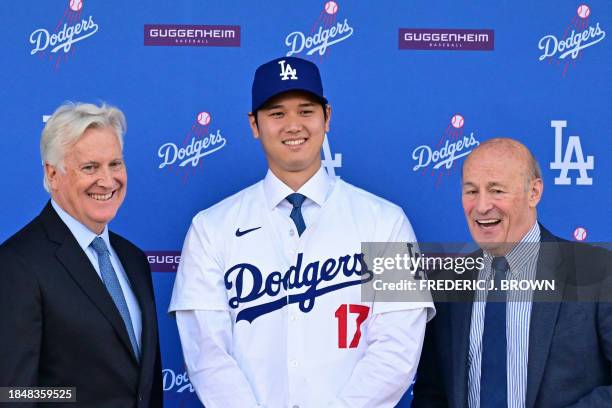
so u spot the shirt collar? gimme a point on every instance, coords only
(81, 233)
(317, 188)
(527, 248)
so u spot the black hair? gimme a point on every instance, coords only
(265, 105)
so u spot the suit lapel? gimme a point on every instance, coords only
(133, 267)
(544, 313)
(460, 339)
(461, 320)
(75, 261)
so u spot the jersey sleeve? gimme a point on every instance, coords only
(398, 232)
(199, 283)
(206, 339)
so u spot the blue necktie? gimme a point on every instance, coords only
(109, 277)
(296, 201)
(493, 373)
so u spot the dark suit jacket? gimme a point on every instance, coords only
(59, 326)
(570, 342)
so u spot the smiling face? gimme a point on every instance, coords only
(499, 195)
(291, 128)
(94, 183)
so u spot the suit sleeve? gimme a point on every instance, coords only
(428, 391)
(601, 397)
(20, 321)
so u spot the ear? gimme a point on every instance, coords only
(253, 124)
(536, 188)
(328, 112)
(51, 174)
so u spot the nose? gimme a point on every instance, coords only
(483, 203)
(294, 124)
(105, 178)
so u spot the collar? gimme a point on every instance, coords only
(527, 248)
(317, 188)
(81, 233)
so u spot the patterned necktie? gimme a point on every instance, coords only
(296, 201)
(109, 277)
(493, 373)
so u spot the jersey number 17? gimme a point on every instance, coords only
(342, 315)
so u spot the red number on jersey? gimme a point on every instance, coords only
(341, 314)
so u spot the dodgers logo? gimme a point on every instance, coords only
(568, 47)
(325, 32)
(177, 382)
(249, 285)
(198, 143)
(286, 71)
(573, 149)
(71, 28)
(451, 146)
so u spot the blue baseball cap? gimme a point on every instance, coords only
(286, 74)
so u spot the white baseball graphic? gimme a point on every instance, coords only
(580, 234)
(204, 118)
(331, 7)
(76, 5)
(457, 121)
(583, 11)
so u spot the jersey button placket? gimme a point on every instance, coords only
(294, 335)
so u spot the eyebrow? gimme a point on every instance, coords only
(88, 163)
(93, 162)
(489, 185)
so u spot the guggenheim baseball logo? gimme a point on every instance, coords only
(198, 143)
(72, 28)
(452, 145)
(326, 31)
(567, 48)
(163, 261)
(446, 39)
(191, 35)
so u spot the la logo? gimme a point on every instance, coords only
(287, 72)
(574, 148)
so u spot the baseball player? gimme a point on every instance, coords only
(268, 292)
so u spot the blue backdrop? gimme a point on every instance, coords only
(413, 87)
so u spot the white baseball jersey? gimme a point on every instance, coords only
(297, 324)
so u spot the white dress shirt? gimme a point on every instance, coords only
(523, 259)
(84, 237)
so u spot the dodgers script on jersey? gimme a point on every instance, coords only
(299, 323)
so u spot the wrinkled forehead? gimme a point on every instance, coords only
(96, 141)
(495, 161)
